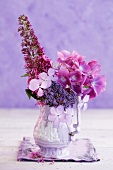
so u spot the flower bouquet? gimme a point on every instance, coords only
(58, 87)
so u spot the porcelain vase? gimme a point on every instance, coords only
(54, 141)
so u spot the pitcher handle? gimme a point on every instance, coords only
(77, 125)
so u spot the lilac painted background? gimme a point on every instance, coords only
(82, 25)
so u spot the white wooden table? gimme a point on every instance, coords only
(16, 123)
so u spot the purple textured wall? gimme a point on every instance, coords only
(81, 25)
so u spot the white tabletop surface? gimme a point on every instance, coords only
(16, 123)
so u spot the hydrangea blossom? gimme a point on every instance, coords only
(83, 78)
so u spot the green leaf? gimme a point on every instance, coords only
(25, 75)
(28, 92)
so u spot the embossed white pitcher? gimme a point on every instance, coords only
(54, 141)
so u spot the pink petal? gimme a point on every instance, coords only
(63, 71)
(48, 84)
(74, 53)
(92, 63)
(65, 53)
(51, 117)
(51, 72)
(55, 65)
(62, 117)
(70, 111)
(69, 119)
(40, 92)
(99, 84)
(63, 76)
(60, 109)
(60, 55)
(34, 84)
(80, 58)
(76, 76)
(84, 67)
(96, 71)
(53, 111)
(92, 93)
(45, 84)
(49, 78)
(56, 122)
(43, 75)
(95, 67)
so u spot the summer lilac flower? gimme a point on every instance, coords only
(69, 115)
(36, 66)
(34, 57)
(57, 115)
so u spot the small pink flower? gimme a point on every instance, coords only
(43, 82)
(47, 78)
(34, 85)
(57, 115)
(69, 115)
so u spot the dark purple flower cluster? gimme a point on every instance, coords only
(56, 95)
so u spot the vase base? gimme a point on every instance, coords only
(54, 152)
